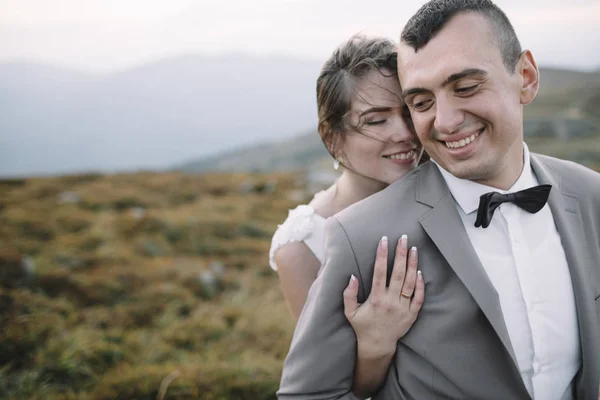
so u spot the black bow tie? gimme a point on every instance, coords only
(531, 200)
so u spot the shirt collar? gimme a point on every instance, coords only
(466, 193)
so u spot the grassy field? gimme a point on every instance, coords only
(113, 287)
(150, 285)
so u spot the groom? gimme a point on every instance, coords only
(512, 285)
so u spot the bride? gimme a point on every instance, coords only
(366, 127)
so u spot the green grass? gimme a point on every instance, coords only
(101, 301)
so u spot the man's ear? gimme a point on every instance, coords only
(530, 76)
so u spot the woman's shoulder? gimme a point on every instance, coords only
(303, 224)
(321, 203)
(301, 218)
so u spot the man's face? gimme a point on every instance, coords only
(465, 105)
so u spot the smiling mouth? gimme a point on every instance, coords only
(402, 156)
(457, 144)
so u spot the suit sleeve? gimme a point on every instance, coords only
(320, 363)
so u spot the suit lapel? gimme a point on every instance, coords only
(569, 222)
(446, 230)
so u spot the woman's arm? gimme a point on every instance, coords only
(297, 267)
(385, 317)
(379, 322)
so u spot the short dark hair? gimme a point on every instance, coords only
(351, 61)
(434, 15)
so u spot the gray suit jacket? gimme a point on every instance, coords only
(459, 347)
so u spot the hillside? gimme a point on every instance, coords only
(566, 94)
(185, 109)
(54, 121)
(112, 287)
(299, 153)
(143, 286)
(562, 121)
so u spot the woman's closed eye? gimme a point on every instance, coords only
(376, 122)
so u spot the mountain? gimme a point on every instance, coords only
(54, 121)
(576, 140)
(562, 121)
(196, 111)
(565, 93)
(301, 152)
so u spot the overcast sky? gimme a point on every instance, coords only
(106, 35)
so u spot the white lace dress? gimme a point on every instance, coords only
(303, 224)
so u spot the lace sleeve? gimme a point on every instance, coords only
(298, 226)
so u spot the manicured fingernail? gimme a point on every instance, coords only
(352, 278)
(419, 274)
(404, 240)
(413, 250)
(384, 243)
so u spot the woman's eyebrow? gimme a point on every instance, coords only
(375, 109)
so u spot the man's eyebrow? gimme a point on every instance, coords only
(470, 72)
(412, 91)
(375, 109)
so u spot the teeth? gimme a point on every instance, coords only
(461, 142)
(402, 156)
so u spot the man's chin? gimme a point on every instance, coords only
(464, 171)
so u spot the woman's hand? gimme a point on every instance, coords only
(389, 311)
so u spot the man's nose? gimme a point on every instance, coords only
(448, 117)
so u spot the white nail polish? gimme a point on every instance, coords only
(413, 249)
(352, 278)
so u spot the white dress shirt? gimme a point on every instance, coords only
(523, 257)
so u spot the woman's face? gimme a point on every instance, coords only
(384, 148)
